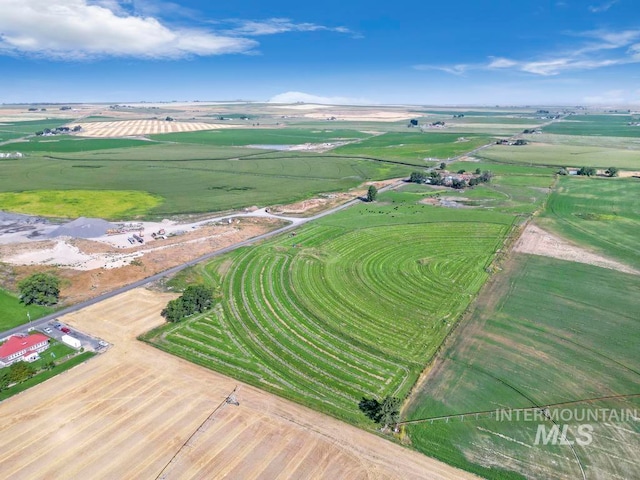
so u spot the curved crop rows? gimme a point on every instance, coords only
(331, 315)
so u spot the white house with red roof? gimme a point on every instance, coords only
(25, 348)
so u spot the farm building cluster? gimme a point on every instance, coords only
(49, 132)
(458, 180)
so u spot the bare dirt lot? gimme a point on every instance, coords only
(126, 413)
(89, 268)
(536, 241)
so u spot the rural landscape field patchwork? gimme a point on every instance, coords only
(418, 271)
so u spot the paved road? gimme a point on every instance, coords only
(41, 322)
(295, 223)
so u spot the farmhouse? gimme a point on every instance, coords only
(26, 349)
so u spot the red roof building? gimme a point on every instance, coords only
(22, 348)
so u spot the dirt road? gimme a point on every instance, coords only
(127, 412)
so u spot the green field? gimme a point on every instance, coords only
(261, 136)
(193, 186)
(354, 305)
(506, 193)
(13, 130)
(596, 125)
(64, 144)
(14, 313)
(502, 168)
(107, 204)
(563, 156)
(414, 147)
(547, 331)
(601, 214)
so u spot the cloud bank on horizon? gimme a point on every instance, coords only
(302, 97)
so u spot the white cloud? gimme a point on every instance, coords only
(79, 29)
(273, 26)
(604, 49)
(296, 97)
(498, 62)
(459, 69)
(603, 7)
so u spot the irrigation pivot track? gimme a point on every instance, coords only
(230, 399)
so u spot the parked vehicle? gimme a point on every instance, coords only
(48, 330)
(72, 342)
(65, 330)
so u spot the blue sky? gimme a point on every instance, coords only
(426, 52)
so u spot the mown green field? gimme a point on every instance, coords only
(64, 144)
(596, 125)
(14, 313)
(261, 136)
(563, 156)
(547, 331)
(352, 306)
(107, 204)
(193, 186)
(602, 214)
(414, 147)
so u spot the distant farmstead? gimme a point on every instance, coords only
(26, 349)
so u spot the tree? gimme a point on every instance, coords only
(194, 299)
(389, 412)
(174, 311)
(417, 177)
(443, 166)
(385, 413)
(486, 176)
(563, 171)
(587, 171)
(477, 171)
(20, 371)
(371, 408)
(461, 171)
(197, 298)
(612, 171)
(458, 184)
(372, 193)
(40, 288)
(435, 178)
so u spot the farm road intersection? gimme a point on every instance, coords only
(295, 223)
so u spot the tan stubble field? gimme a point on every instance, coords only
(125, 414)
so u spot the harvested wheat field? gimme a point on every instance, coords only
(127, 414)
(133, 128)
